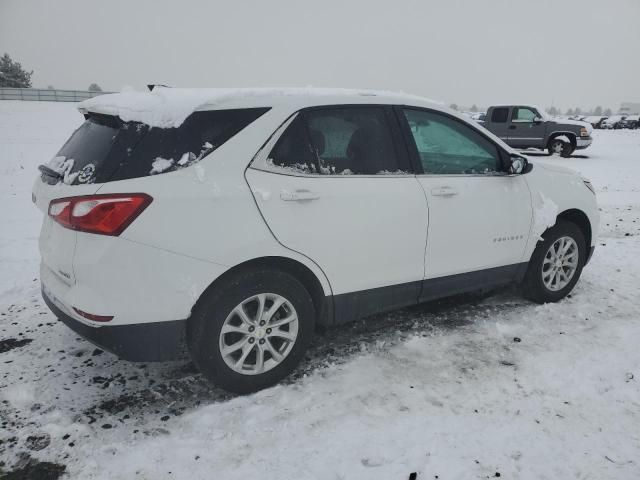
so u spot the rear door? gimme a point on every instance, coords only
(523, 131)
(337, 187)
(498, 122)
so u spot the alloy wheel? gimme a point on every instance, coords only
(258, 334)
(560, 263)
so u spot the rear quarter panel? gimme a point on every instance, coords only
(207, 212)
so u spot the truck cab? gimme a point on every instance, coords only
(525, 126)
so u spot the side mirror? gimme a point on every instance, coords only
(519, 164)
(537, 120)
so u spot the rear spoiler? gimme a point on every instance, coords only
(151, 86)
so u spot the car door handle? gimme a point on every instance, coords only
(300, 195)
(512, 127)
(444, 191)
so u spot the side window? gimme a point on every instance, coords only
(338, 141)
(353, 140)
(447, 146)
(523, 115)
(499, 115)
(293, 149)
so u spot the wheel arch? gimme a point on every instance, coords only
(579, 218)
(570, 135)
(321, 301)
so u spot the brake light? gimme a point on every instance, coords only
(106, 214)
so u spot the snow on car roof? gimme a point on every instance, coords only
(169, 107)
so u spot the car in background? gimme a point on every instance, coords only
(595, 120)
(525, 126)
(235, 222)
(613, 122)
(632, 121)
(479, 116)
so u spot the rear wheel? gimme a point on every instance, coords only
(251, 332)
(556, 263)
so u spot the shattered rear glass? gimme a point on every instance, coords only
(104, 148)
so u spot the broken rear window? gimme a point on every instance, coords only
(105, 148)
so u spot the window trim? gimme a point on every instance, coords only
(413, 147)
(259, 161)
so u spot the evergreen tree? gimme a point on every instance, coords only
(94, 87)
(608, 112)
(453, 106)
(474, 108)
(598, 110)
(12, 74)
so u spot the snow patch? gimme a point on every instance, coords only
(160, 165)
(63, 166)
(19, 395)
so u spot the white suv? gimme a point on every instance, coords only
(233, 222)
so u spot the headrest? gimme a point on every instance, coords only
(317, 141)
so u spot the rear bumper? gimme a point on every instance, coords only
(143, 342)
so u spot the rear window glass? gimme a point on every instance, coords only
(105, 148)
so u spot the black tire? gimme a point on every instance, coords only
(557, 145)
(209, 315)
(533, 286)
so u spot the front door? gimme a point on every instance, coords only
(524, 132)
(337, 188)
(479, 216)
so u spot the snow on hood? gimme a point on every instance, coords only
(169, 107)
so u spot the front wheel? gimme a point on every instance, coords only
(557, 146)
(252, 331)
(556, 263)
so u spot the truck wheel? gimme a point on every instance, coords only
(558, 146)
(556, 263)
(252, 331)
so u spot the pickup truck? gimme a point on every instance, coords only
(522, 126)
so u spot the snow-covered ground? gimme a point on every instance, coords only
(466, 388)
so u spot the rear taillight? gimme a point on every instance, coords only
(106, 214)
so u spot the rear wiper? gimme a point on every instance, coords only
(50, 171)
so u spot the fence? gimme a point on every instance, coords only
(46, 95)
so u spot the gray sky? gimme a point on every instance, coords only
(569, 52)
